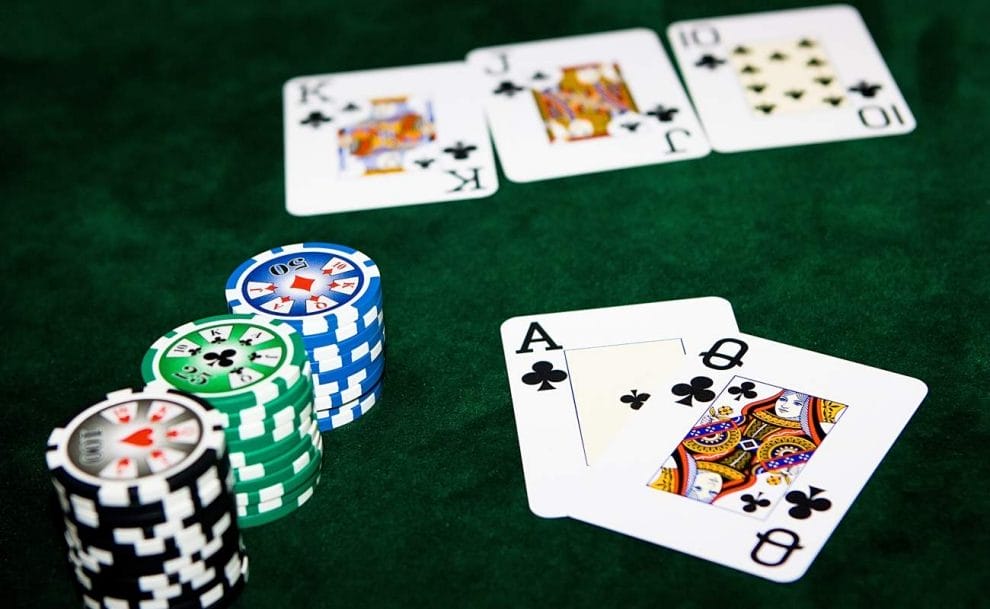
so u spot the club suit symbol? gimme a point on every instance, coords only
(222, 359)
(507, 88)
(731, 359)
(460, 150)
(696, 389)
(805, 505)
(544, 375)
(315, 119)
(783, 542)
(709, 61)
(663, 113)
(865, 89)
(744, 390)
(635, 399)
(752, 503)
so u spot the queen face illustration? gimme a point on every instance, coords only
(790, 404)
(706, 487)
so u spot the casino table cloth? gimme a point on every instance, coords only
(142, 162)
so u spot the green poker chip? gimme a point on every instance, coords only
(270, 511)
(313, 453)
(278, 462)
(255, 443)
(281, 409)
(264, 454)
(275, 489)
(236, 362)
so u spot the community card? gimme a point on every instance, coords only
(584, 104)
(778, 444)
(378, 138)
(577, 377)
(786, 78)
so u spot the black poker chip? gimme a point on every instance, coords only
(127, 562)
(127, 538)
(146, 493)
(184, 504)
(184, 581)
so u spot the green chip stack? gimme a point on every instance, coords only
(255, 371)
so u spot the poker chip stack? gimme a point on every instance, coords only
(332, 295)
(146, 493)
(256, 373)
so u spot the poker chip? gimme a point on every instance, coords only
(312, 454)
(332, 295)
(274, 487)
(234, 361)
(256, 371)
(335, 418)
(323, 374)
(369, 322)
(147, 498)
(337, 394)
(274, 510)
(315, 287)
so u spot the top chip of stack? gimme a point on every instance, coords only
(146, 494)
(256, 373)
(332, 295)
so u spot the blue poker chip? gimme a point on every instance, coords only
(315, 287)
(336, 355)
(336, 418)
(369, 322)
(369, 354)
(337, 393)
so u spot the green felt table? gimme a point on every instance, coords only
(141, 162)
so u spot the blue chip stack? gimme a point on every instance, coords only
(332, 295)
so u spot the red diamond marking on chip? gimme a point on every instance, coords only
(141, 437)
(301, 283)
(157, 454)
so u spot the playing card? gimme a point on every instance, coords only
(378, 138)
(577, 377)
(751, 456)
(790, 77)
(584, 104)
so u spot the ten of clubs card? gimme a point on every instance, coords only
(585, 104)
(378, 138)
(750, 456)
(786, 78)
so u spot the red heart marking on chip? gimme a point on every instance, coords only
(141, 437)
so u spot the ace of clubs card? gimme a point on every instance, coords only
(584, 104)
(576, 377)
(378, 138)
(786, 78)
(779, 444)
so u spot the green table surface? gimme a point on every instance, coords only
(141, 162)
